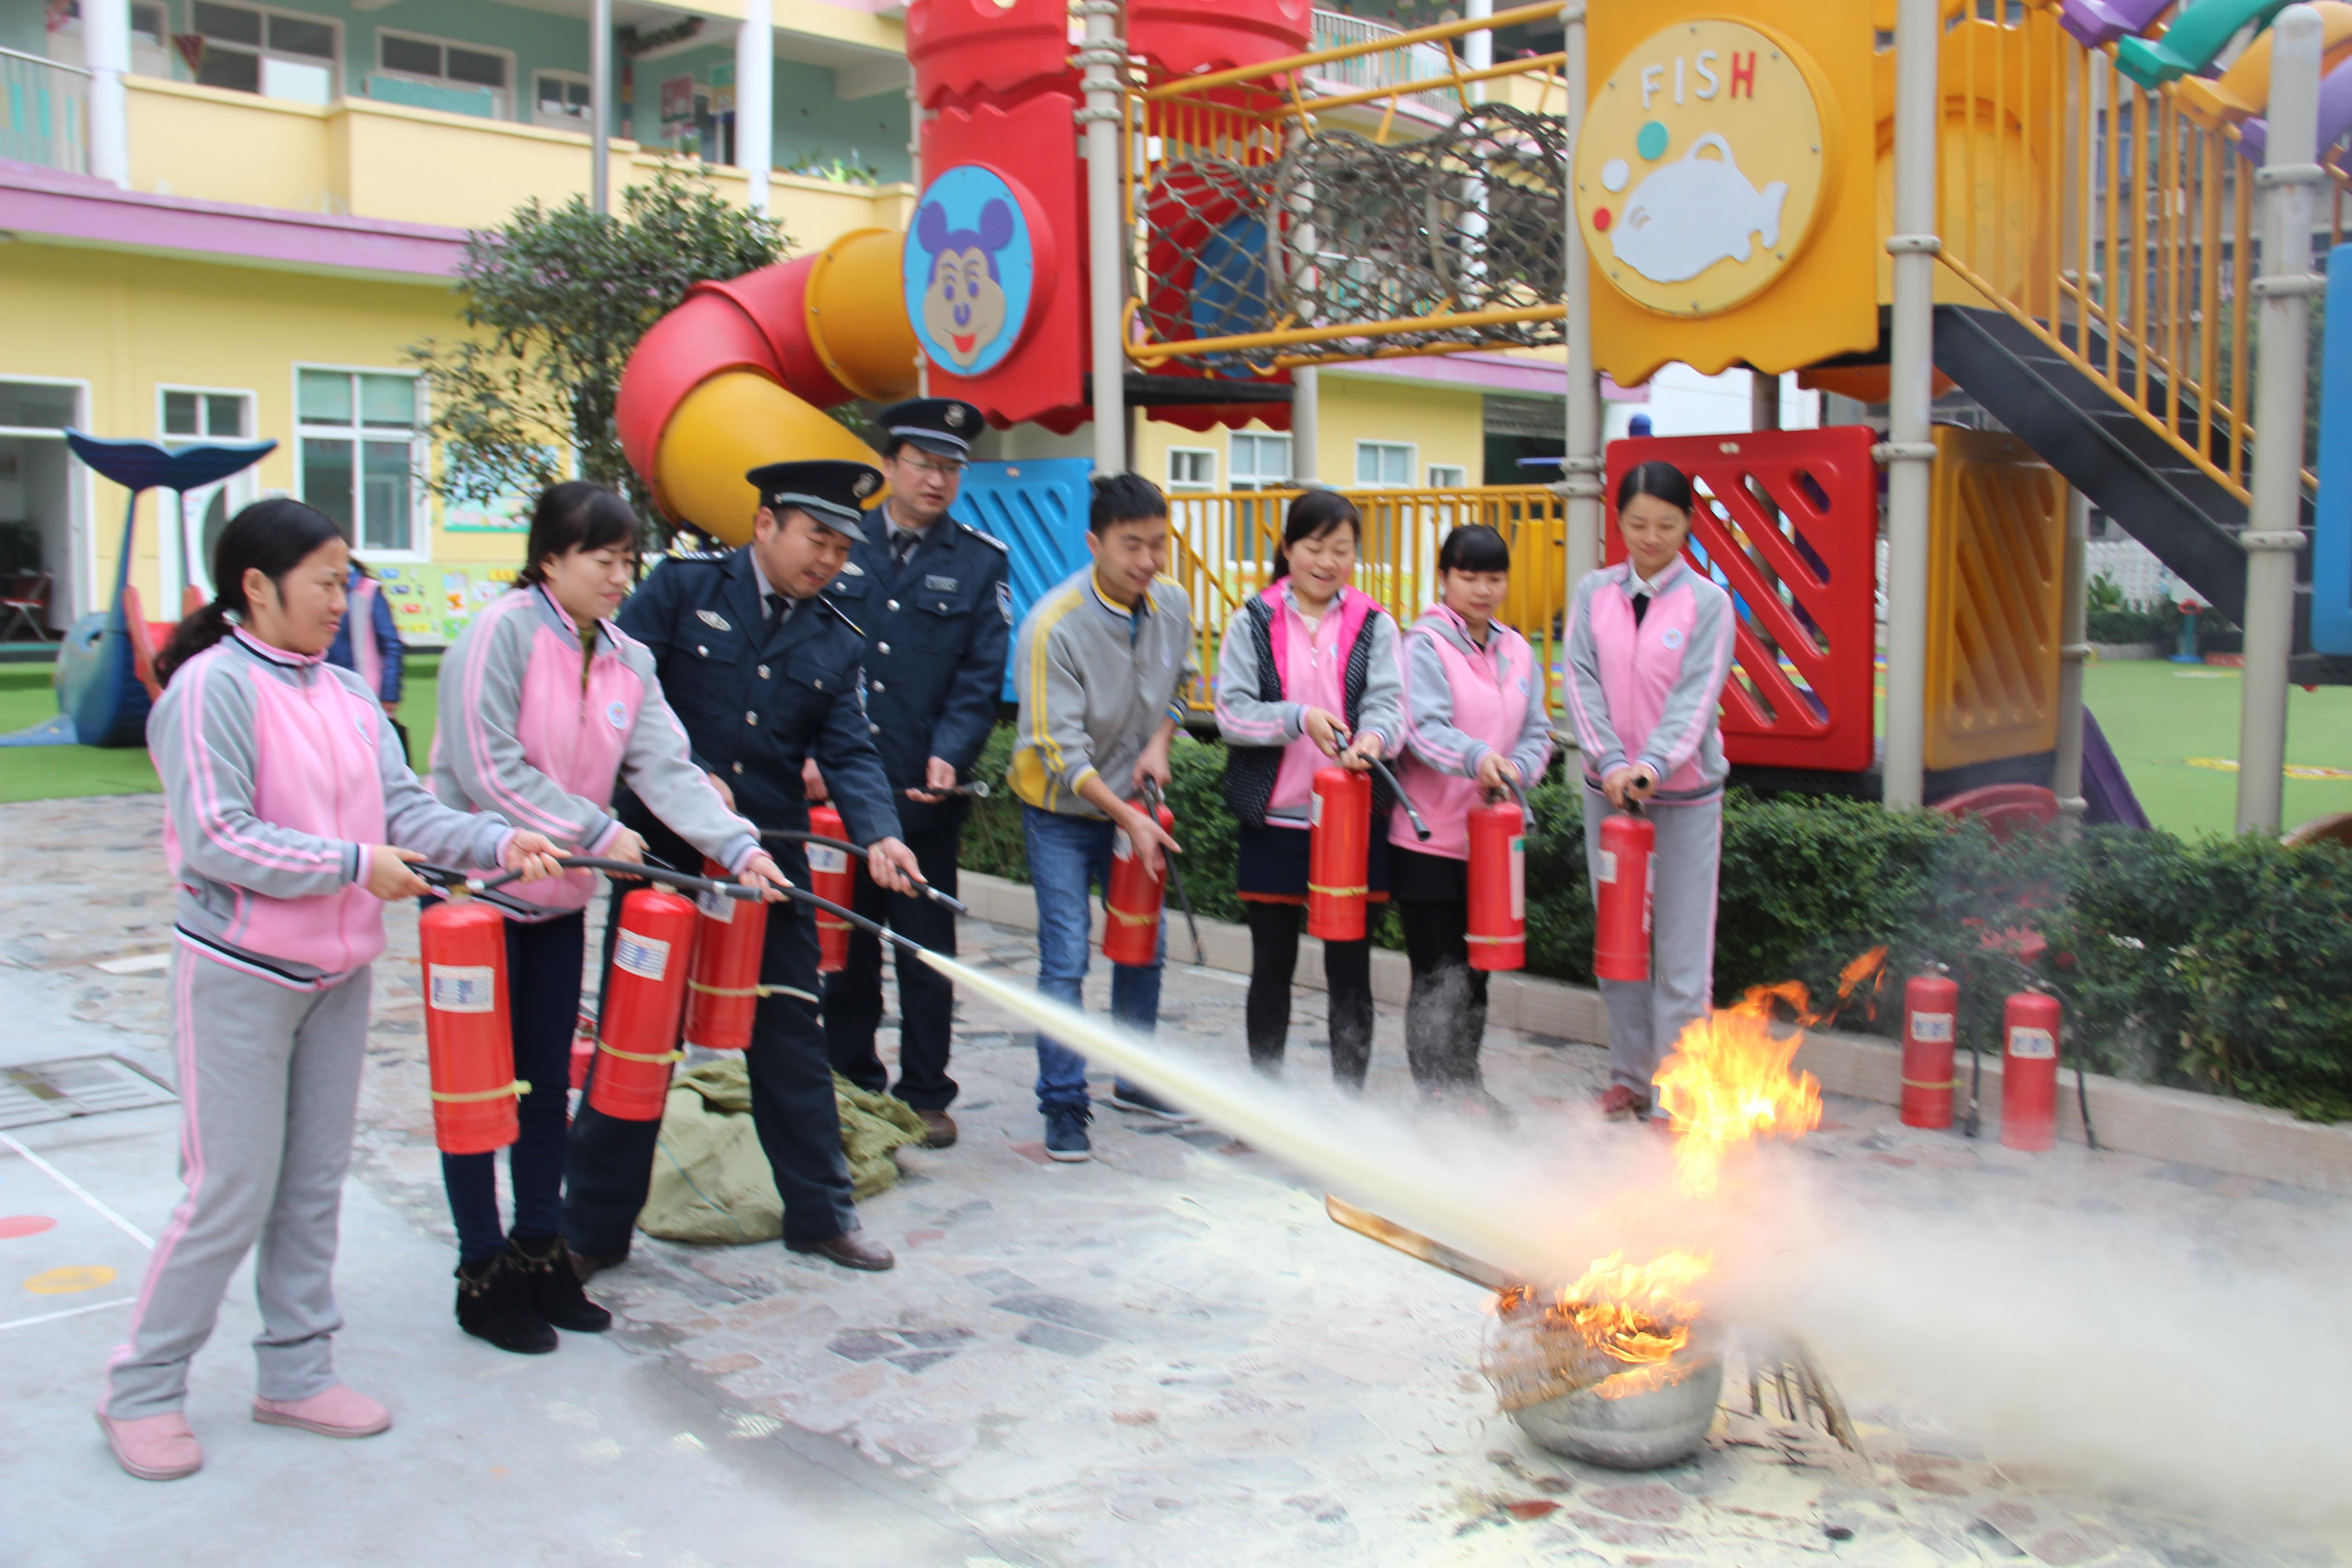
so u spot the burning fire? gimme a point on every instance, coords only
(1728, 1083)
(1615, 1330)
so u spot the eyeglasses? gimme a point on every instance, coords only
(947, 469)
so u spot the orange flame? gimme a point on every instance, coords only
(1728, 1082)
(1870, 966)
(1637, 1314)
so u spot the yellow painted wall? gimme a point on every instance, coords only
(1446, 423)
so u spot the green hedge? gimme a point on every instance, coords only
(2219, 964)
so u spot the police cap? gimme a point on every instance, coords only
(943, 426)
(834, 493)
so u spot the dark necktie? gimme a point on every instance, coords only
(780, 610)
(1640, 608)
(902, 545)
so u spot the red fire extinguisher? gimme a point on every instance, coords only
(1621, 927)
(1497, 875)
(1338, 851)
(2029, 1071)
(468, 1032)
(1931, 1007)
(830, 877)
(645, 992)
(1131, 907)
(722, 990)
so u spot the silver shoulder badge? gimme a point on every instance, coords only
(985, 538)
(852, 569)
(714, 620)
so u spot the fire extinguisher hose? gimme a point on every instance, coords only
(793, 836)
(1153, 802)
(1411, 813)
(648, 871)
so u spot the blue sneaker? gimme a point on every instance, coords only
(1066, 1134)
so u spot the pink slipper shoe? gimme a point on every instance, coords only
(338, 1413)
(155, 1448)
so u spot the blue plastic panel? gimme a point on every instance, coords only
(2331, 544)
(1039, 510)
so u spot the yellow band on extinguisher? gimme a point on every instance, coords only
(640, 1056)
(516, 1090)
(1123, 918)
(1495, 940)
(726, 990)
(1915, 1083)
(1339, 892)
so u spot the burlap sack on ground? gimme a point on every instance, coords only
(711, 1182)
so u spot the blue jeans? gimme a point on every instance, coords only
(1069, 858)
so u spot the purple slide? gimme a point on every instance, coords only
(2335, 115)
(2107, 793)
(2097, 22)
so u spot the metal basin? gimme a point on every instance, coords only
(1637, 1430)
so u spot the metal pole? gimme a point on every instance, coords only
(915, 117)
(1306, 381)
(1909, 453)
(600, 105)
(755, 81)
(1305, 424)
(106, 50)
(2275, 534)
(1581, 467)
(1103, 120)
(1763, 401)
(2073, 629)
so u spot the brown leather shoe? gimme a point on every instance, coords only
(1621, 1103)
(939, 1129)
(851, 1250)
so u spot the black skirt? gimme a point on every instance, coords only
(1417, 877)
(1270, 865)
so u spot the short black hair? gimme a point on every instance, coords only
(1659, 481)
(575, 515)
(1124, 498)
(1474, 547)
(1312, 515)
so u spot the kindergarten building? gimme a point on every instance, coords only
(244, 243)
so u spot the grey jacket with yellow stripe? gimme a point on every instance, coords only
(1095, 682)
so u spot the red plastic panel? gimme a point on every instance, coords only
(1805, 581)
(958, 47)
(1183, 36)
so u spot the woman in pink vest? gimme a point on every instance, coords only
(1308, 675)
(1649, 647)
(1474, 723)
(289, 818)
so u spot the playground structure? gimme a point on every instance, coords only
(2093, 217)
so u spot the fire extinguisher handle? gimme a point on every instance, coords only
(1412, 814)
(795, 836)
(653, 871)
(1526, 812)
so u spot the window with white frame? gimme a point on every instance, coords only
(1448, 475)
(1259, 462)
(1191, 469)
(364, 452)
(277, 54)
(412, 57)
(558, 101)
(194, 414)
(1385, 463)
(149, 41)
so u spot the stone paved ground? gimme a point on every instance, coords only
(1170, 1356)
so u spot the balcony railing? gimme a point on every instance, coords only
(1389, 67)
(44, 112)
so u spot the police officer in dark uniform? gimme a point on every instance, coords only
(934, 598)
(764, 673)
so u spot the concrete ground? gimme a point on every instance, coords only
(1166, 1356)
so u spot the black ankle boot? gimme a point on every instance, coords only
(491, 1305)
(551, 1285)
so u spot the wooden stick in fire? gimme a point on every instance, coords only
(1412, 1243)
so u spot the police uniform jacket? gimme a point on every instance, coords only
(757, 701)
(936, 635)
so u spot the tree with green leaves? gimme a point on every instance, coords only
(555, 299)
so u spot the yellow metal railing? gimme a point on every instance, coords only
(1225, 540)
(2114, 222)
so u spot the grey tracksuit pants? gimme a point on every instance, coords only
(269, 1080)
(1644, 1018)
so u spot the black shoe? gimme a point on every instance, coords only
(551, 1284)
(1142, 1102)
(588, 1265)
(1066, 1134)
(491, 1306)
(851, 1250)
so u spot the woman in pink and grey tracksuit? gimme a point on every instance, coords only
(1649, 647)
(285, 794)
(1474, 723)
(545, 706)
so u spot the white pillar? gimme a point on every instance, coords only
(2073, 647)
(106, 50)
(1910, 454)
(1306, 423)
(755, 88)
(600, 105)
(2275, 532)
(1581, 469)
(1104, 60)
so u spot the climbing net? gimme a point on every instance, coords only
(1318, 245)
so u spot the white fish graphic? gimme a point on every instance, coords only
(1693, 213)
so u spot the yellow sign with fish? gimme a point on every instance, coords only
(1723, 186)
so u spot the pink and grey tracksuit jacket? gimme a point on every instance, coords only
(279, 771)
(1650, 692)
(1462, 701)
(539, 732)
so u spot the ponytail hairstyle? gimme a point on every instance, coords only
(1659, 481)
(1313, 515)
(271, 537)
(574, 515)
(1474, 547)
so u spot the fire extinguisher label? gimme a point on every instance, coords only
(1609, 864)
(1931, 1029)
(1120, 849)
(823, 862)
(2031, 1044)
(645, 956)
(1315, 809)
(717, 906)
(1518, 878)
(462, 988)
